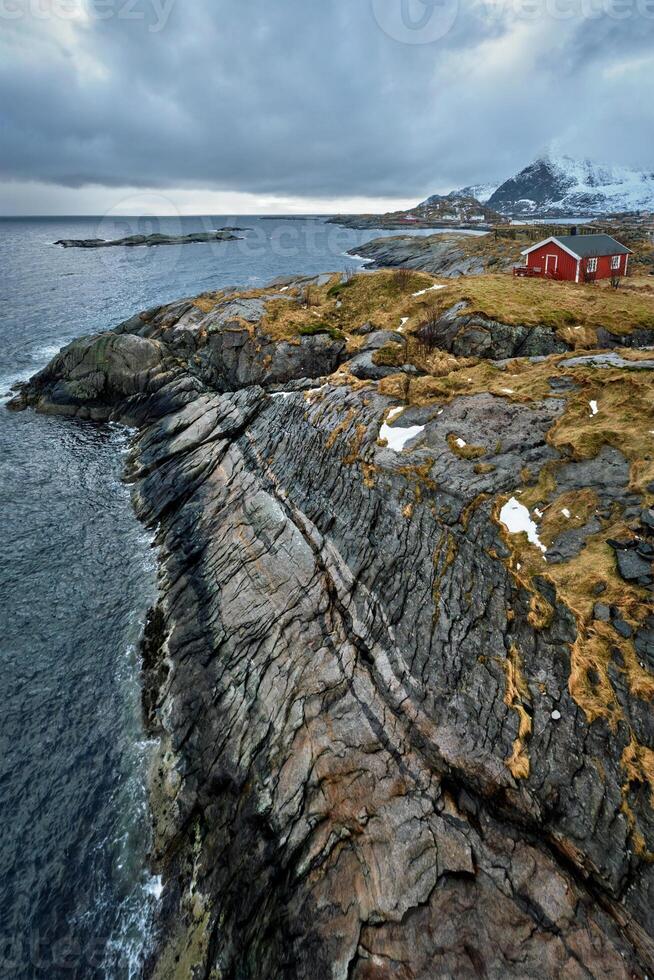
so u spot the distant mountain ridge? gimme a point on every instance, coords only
(560, 186)
(479, 192)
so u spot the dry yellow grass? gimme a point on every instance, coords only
(559, 305)
(207, 301)
(638, 765)
(639, 283)
(567, 511)
(464, 450)
(624, 418)
(516, 695)
(384, 298)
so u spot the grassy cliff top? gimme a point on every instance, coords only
(385, 298)
(560, 305)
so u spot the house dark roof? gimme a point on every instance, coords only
(586, 246)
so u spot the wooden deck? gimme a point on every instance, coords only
(533, 273)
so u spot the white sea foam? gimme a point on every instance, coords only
(154, 887)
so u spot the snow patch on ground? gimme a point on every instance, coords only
(515, 518)
(429, 289)
(397, 437)
(593, 407)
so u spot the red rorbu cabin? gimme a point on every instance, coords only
(575, 258)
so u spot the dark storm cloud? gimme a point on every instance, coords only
(307, 97)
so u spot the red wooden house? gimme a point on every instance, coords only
(575, 258)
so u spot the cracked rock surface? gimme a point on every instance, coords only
(433, 253)
(372, 760)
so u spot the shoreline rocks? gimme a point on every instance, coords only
(371, 762)
(441, 255)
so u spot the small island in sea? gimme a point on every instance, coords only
(132, 241)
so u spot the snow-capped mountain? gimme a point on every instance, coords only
(482, 192)
(559, 186)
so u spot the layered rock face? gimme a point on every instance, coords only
(440, 255)
(389, 747)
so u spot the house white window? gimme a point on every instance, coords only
(615, 262)
(592, 265)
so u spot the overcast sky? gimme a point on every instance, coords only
(302, 105)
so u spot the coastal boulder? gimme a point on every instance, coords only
(92, 375)
(474, 335)
(235, 357)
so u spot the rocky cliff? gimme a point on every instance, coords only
(401, 668)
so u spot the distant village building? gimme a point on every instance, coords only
(575, 258)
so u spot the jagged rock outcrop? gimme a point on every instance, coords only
(440, 255)
(378, 755)
(98, 377)
(474, 335)
(92, 376)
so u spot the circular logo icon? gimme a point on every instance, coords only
(415, 21)
(137, 218)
